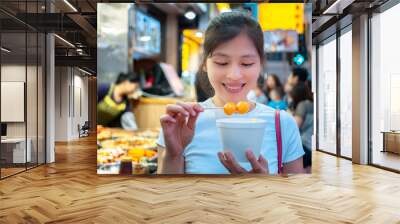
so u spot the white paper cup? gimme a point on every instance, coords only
(241, 134)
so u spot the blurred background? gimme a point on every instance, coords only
(172, 33)
(148, 56)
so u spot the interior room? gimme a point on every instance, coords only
(61, 162)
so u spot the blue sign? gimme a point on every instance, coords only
(298, 59)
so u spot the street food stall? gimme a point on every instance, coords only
(116, 147)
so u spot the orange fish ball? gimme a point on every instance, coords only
(242, 107)
(229, 108)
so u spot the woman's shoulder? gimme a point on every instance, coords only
(264, 108)
(306, 102)
(308, 105)
(268, 109)
(285, 117)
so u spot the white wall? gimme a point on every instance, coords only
(13, 73)
(71, 94)
(80, 97)
(61, 103)
(33, 126)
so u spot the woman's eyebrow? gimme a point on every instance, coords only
(249, 56)
(219, 54)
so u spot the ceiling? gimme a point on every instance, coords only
(328, 15)
(76, 26)
(77, 23)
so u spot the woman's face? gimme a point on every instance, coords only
(233, 69)
(271, 82)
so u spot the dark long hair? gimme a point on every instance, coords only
(300, 93)
(221, 29)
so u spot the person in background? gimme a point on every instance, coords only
(286, 90)
(298, 75)
(114, 108)
(276, 101)
(257, 94)
(272, 82)
(303, 111)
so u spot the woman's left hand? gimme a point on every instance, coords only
(259, 165)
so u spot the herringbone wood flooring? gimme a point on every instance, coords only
(69, 191)
(10, 171)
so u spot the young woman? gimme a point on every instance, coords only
(302, 108)
(233, 60)
(271, 83)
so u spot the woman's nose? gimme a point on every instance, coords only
(235, 73)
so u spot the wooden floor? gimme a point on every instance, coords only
(10, 171)
(5, 172)
(69, 191)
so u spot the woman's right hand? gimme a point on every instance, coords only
(178, 126)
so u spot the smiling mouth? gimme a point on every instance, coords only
(234, 88)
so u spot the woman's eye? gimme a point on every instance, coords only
(247, 65)
(221, 63)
